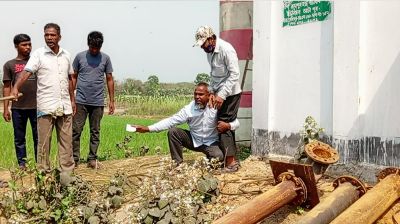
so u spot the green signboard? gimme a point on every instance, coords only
(299, 12)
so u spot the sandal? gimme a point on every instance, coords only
(231, 169)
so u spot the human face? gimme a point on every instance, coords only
(201, 96)
(94, 50)
(52, 37)
(208, 45)
(24, 48)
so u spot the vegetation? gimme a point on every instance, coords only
(178, 194)
(310, 132)
(49, 200)
(112, 132)
(202, 77)
(148, 102)
(160, 193)
(156, 192)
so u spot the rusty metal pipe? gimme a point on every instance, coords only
(261, 206)
(347, 191)
(290, 189)
(373, 204)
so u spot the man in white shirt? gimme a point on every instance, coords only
(52, 65)
(203, 125)
(224, 86)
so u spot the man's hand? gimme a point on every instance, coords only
(141, 129)
(15, 93)
(218, 101)
(111, 108)
(73, 105)
(7, 115)
(211, 100)
(223, 127)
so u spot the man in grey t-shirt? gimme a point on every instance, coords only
(88, 79)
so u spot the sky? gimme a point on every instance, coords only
(142, 38)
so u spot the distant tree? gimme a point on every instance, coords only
(132, 87)
(202, 77)
(152, 85)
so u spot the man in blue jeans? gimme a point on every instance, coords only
(25, 108)
(90, 67)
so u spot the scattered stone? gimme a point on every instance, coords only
(94, 220)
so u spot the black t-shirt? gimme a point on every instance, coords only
(11, 70)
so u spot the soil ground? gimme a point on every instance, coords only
(252, 179)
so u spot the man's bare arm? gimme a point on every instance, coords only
(6, 92)
(110, 87)
(24, 75)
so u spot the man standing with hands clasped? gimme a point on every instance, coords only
(224, 87)
(52, 66)
(90, 66)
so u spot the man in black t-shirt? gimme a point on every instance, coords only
(25, 107)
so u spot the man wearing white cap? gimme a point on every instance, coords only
(224, 87)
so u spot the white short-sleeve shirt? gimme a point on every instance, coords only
(52, 72)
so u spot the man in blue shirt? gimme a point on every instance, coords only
(90, 66)
(203, 124)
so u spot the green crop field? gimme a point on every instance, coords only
(112, 132)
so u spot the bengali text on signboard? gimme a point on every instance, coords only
(300, 12)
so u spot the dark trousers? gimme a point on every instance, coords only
(228, 113)
(179, 138)
(20, 119)
(95, 114)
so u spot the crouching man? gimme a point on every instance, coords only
(203, 124)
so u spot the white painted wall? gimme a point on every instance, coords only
(344, 71)
(291, 66)
(261, 67)
(380, 68)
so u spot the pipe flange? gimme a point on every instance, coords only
(321, 152)
(360, 186)
(300, 187)
(387, 171)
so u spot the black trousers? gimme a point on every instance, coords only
(228, 113)
(179, 138)
(95, 114)
(20, 119)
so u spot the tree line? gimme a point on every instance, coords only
(151, 87)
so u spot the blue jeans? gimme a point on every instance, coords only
(20, 119)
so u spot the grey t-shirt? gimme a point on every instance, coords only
(91, 77)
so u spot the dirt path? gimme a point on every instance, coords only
(254, 177)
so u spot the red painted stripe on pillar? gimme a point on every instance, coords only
(241, 40)
(246, 99)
